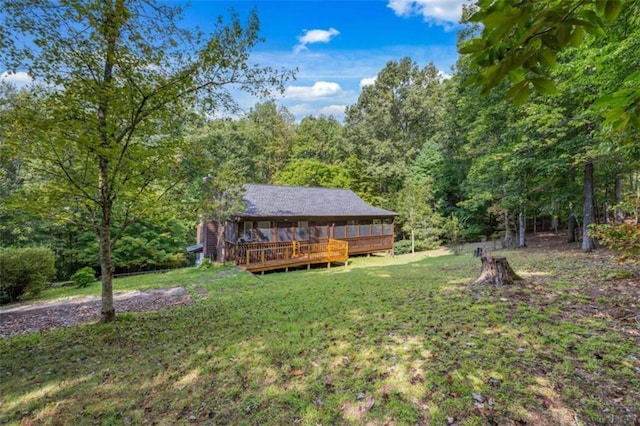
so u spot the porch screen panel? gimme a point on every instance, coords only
(339, 230)
(265, 232)
(377, 227)
(302, 231)
(387, 227)
(284, 231)
(321, 231)
(230, 232)
(365, 230)
(352, 228)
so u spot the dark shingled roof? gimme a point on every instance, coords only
(296, 201)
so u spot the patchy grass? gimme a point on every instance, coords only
(400, 340)
(186, 277)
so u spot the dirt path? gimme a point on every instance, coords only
(40, 316)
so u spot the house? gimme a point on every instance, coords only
(287, 226)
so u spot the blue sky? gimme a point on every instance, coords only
(337, 46)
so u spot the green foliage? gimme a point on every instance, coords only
(521, 43)
(271, 130)
(24, 270)
(313, 173)
(390, 122)
(453, 231)
(83, 277)
(404, 246)
(416, 213)
(102, 131)
(622, 238)
(206, 264)
(319, 138)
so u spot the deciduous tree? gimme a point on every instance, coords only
(116, 78)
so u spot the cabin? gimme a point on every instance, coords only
(286, 226)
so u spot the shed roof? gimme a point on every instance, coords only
(296, 201)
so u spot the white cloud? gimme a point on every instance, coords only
(314, 36)
(367, 81)
(334, 110)
(439, 12)
(302, 110)
(444, 75)
(20, 78)
(344, 68)
(319, 90)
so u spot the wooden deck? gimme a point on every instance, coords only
(260, 257)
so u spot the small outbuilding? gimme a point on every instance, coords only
(288, 226)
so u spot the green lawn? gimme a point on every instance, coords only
(401, 340)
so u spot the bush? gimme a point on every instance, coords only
(404, 246)
(622, 238)
(24, 270)
(83, 277)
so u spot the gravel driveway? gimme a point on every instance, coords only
(40, 316)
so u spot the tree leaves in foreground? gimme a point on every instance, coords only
(520, 42)
(113, 80)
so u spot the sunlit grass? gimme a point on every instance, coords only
(396, 340)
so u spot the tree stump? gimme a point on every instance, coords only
(496, 271)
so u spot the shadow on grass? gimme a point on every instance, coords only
(406, 343)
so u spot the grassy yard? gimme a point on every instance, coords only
(400, 340)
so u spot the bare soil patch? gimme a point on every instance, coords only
(41, 316)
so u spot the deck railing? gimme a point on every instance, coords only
(273, 255)
(369, 244)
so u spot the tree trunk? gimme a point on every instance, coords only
(508, 238)
(522, 227)
(221, 255)
(588, 243)
(111, 33)
(108, 312)
(619, 213)
(496, 271)
(571, 226)
(413, 244)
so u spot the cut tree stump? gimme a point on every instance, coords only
(496, 271)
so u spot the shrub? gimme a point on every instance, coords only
(404, 246)
(622, 238)
(83, 277)
(24, 270)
